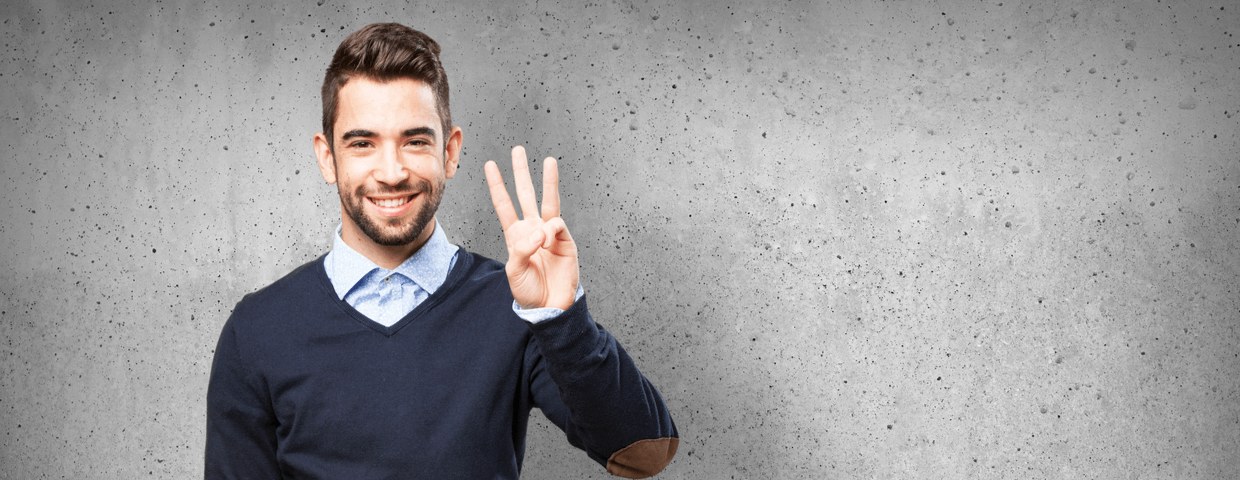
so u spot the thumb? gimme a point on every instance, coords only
(523, 249)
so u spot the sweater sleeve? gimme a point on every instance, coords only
(586, 383)
(241, 426)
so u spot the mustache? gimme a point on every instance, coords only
(405, 188)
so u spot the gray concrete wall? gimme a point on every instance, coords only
(958, 239)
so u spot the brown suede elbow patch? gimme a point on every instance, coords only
(643, 458)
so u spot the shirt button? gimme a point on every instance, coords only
(387, 280)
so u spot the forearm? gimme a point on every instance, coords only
(616, 411)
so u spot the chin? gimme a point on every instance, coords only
(398, 231)
(391, 237)
(403, 231)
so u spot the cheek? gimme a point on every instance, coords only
(429, 169)
(348, 176)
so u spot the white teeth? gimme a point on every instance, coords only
(390, 202)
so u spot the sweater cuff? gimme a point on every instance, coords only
(535, 315)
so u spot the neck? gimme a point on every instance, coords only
(385, 256)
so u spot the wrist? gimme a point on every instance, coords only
(534, 313)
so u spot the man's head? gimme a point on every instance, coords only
(387, 142)
(385, 52)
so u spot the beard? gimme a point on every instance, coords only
(393, 232)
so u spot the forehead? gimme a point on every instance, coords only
(385, 107)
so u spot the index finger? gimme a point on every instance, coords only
(499, 196)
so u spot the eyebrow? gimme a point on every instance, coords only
(419, 131)
(407, 133)
(358, 133)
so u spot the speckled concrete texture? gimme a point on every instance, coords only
(954, 239)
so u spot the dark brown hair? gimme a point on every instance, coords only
(385, 52)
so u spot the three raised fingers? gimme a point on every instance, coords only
(504, 208)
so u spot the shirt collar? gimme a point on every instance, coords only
(428, 267)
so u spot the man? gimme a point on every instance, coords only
(400, 355)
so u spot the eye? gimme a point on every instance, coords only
(360, 144)
(418, 142)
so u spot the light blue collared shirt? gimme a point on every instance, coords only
(386, 296)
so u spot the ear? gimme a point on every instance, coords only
(327, 164)
(453, 150)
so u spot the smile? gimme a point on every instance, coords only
(390, 202)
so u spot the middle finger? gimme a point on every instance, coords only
(525, 186)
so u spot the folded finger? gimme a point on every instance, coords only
(555, 230)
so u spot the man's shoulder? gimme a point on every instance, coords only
(478, 264)
(476, 269)
(294, 288)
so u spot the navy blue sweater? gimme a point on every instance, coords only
(305, 386)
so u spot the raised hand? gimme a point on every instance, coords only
(542, 258)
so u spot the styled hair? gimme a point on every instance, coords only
(385, 52)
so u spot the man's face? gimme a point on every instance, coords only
(390, 160)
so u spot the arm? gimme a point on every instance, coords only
(241, 427)
(582, 380)
(586, 384)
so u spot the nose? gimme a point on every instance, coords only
(390, 169)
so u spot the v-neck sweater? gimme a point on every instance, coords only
(305, 386)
